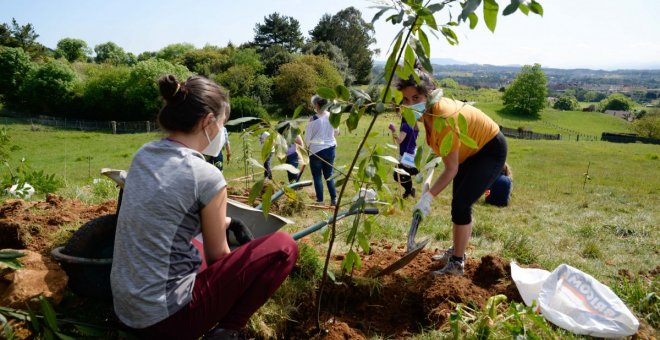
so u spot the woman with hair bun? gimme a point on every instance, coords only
(470, 170)
(171, 194)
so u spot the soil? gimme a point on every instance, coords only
(399, 305)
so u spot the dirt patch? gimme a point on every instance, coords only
(406, 302)
(29, 225)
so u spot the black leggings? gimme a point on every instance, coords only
(405, 180)
(474, 176)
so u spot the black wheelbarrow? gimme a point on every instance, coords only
(87, 256)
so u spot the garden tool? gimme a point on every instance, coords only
(413, 248)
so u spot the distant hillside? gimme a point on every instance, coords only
(493, 76)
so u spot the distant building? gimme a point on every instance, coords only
(621, 114)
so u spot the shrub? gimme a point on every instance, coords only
(103, 93)
(648, 126)
(246, 107)
(566, 103)
(142, 96)
(50, 88)
(616, 101)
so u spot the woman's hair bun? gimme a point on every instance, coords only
(169, 87)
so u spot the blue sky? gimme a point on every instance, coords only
(599, 34)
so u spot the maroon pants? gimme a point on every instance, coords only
(230, 290)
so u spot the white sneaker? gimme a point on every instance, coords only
(444, 257)
(452, 267)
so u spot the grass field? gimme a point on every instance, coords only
(601, 225)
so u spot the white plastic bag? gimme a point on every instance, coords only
(574, 300)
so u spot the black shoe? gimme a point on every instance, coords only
(412, 192)
(406, 194)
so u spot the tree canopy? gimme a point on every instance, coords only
(110, 53)
(280, 30)
(72, 49)
(616, 101)
(566, 103)
(353, 36)
(527, 93)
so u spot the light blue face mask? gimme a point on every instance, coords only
(418, 109)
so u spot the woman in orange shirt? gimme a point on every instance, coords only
(471, 170)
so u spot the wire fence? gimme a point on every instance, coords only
(114, 127)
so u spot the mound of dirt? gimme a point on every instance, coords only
(29, 225)
(405, 302)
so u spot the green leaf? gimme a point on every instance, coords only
(63, 336)
(469, 7)
(408, 115)
(467, 141)
(436, 7)
(265, 199)
(342, 91)
(297, 111)
(12, 263)
(326, 234)
(390, 159)
(462, 123)
(255, 191)
(352, 121)
(445, 145)
(335, 120)
(380, 13)
(49, 313)
(423, 57)
(349, 261)
(90, 331)
(256, 163)
(474, 19)
(523, 8)
(398, 96)
(363, 241)
(418, 156)
(424, 40)
(439, 124)
(286, 167)
(331, 275)
(490, 14)
(430, 20)
(512, 7)
(409, 57)
(241, 120)
(536, 7)
(267, 148)
(326, 92)
(10, 254)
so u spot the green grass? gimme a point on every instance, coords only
(555, 121)
(602, 226)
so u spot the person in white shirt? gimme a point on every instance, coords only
(320, 139)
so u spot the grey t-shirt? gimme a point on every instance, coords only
(154, 263)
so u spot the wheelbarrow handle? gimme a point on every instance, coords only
(315, 227)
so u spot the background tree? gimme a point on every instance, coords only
(49, 88)
(238, 80)
(566, 103)
(103, 95)
(273, 57)
(174, 53)
(142, 98)
(279, 30)
(206, 61)
(15, 65)
(353, 36)
(72, 49)
(649, 125)
(527, 93)
(110, 53)
(298, 80)
(23, 36)
(616, 101)
(335, 54)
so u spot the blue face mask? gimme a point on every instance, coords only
(418, 109)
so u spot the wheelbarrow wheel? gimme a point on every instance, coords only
(94, 240)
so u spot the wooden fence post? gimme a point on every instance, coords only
(113, 125)
(148, 126)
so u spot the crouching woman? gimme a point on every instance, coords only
(170, 195)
